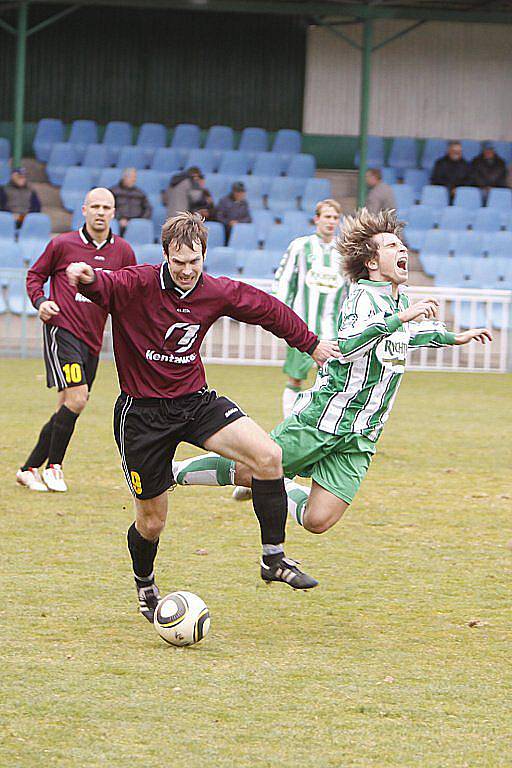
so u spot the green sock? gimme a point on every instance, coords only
(298, 496)
(207, 469)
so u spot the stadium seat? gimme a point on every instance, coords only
(420, 220)
(17, 299)
(32, 248)
(220, 138)
(485, 271)
(254, 140)
(416, 178)
(262, 220)
(255, 187)
(404, 195)
(139, 232)
(133, 157)
(166, 160)
(315, 190)
(468, 243)
(62, 156)
(389, 175)
(282, 195)
(374, 153)
(404, 153)
(268, 164)
(302, 166)
(435, 196)
(5, 148)
(151, 253)
(235, 163)
(430, 263)
(504, 150)
(216, 234)
(49, 131)
(500, 200)
(299, 221)
(222, 261)
(152, 182)
(218, 185)
(454, 217)
(186, 137)
(438, 242)
(243, 236)
(83, 133)
(487, 220)
(117, 134)
(432, 151)
(158, 216)
(205, 159)
(468, 197)
(5, 171)
(35, 225)
(109, 177)
(450, 273)
(287, 142)
(153, 135)
(7, 226)
(279, 237)
(258, 265)
(77, 181)
(470, 148)
(11, 255)
(498, 244)
(96, 157)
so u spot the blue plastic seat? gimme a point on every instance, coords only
(152, 135)
(316, 189)
(254, 140)
(83, 133)
(468, 197)
(216, 234)
(117, 134)
(487, 220)
(504, 150)
(485, 271)
(268, 164)
(255, 187)
(454, 217)
(234, 163)
(186, 137)
(438, 242)
(139, 232)
(243, 236)
(420, 220)
(166, 160)
(7, 226)
(434, 195)
(218, 185)
(152, 182)
(32, 248)
(375, 156)
(416, 178)
(158, 217)
(468, 243)
(17, 299)
(222, 261)
(205, 159)
(404, 195)
(62, 156)
(404, 153)
(279, 237)
(432, 151)
(49, 131)
(109, 177)
(470, 148)
(430, 262)
(389, 175)
(498, 244)
(133, 157)
(77, 181)
(220, 138)
(36, 225)
(150, 253)
(11, 255)
(302, 166)
(262, 220)
(500, 200)
(287, 142)
(298, 221)
(450, 273)
(257, 265)
(5, 171)
(96, 156)
(5, 148)
(282, 194)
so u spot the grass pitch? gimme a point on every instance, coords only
(400, 658)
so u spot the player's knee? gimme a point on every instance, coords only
(317, 526)
(76, 401)
(269, 464)
(150, 527)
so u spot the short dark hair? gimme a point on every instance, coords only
(356, 244)
(185, 228)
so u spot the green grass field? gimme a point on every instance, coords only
(378, 667)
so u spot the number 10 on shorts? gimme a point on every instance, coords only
(73, 373)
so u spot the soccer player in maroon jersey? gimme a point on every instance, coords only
(72, 331)
(160, 315)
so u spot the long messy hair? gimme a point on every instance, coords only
(356, 244)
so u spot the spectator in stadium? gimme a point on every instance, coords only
(380, 195)
(187, 192)
(488, 170)
(233, 208)
(451, 170)
(18, 197)
(131, 201)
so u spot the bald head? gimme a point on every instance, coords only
(98, 210)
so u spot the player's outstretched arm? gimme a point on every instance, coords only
(80, 272)
(482, 335)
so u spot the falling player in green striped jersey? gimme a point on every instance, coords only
(310, 281)
(332, 433)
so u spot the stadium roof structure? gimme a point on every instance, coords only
(336, 15)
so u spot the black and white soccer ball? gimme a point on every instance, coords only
(182, 618)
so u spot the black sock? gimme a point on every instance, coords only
(63, 427)
(270, 505)
(143, 553)
(40, 452)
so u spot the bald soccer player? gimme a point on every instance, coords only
(72, 331)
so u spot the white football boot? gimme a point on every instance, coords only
(31, 479)
(53, 476)
(241, 494)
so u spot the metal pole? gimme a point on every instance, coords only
(19, 88)
(366, 65)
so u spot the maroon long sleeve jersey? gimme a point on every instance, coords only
(158, 328)
(78, 315)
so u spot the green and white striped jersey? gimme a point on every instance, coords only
(309, 280)
(355, 394)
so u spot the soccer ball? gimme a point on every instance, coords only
(182, 618)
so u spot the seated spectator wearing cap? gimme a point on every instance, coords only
(233, 208)
(488, 169)
(380, 195)
(131, 202)
(187, 192)
(18, 197)
(451, 170)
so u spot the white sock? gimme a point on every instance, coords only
(206, 469)
(289, 398)
(298, 496)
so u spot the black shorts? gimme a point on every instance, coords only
(69, 362)
(148, 431)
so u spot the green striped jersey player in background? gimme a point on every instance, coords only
(332, 433)
(310, 281)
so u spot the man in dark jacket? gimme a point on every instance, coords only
(18, 197)
(488, 169)
(131, 202)
(233, 208)
(452, 170)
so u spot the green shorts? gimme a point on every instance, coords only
(297, 364)
(337, 463)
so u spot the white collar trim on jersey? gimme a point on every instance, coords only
(89, 240)
(382, 287)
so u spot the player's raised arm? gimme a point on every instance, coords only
(110, 290)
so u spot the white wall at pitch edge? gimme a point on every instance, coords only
(446, 80)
